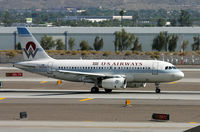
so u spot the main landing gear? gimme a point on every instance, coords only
(94, 89)
(157, 87)
(108, 90)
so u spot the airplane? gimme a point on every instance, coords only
(107, 74)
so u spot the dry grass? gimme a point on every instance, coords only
(136, 52)
(175, 53)
(94, 52)
(148, 53)
(84, 53)
(74, 52)
(154, 54)
(128, 53)
(107, 53)
(167, 53)
(142, 53)
(118, 53)
(11, 54)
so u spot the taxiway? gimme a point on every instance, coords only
(69, 104)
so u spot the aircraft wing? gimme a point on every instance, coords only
(83, 73)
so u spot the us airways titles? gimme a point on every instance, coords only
(118, 63)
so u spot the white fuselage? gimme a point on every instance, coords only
(144, 71)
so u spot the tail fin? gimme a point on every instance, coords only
(31, 49)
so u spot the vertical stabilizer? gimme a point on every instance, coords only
(31, 49)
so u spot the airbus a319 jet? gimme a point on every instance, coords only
(107, 74)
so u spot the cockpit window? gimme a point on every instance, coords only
(173, 67)
(170, 67)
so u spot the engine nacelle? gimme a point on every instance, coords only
(136, 85)
(114, 83)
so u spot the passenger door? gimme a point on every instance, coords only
(155, 68)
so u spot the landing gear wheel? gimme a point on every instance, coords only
(108, 90)
(157, 90)
(94, 90)
(157, 87)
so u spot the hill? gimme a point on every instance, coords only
(107, 4)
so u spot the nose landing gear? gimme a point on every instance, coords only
(157, 87)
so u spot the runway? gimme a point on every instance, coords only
(118, 94)
(69, 104)
(48, 126)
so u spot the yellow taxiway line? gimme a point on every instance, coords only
(172, 82)
(86, 99)
(43, 82)
(192, 122)
(2, 98)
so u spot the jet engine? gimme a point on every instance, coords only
(136, 85)
(114, 83)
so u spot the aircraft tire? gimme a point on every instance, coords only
(157, 90)
(94, 90)
(108, 90)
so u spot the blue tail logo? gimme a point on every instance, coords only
(30, 49)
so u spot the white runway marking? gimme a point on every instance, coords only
(193, 70)
(9, 68)
(193, 80)
(95, 126)
(21, 79)
(81, 94)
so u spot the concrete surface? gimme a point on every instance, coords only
(71, 107)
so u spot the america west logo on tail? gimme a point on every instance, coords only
(30, 49)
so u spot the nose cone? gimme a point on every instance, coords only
(179, 75)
